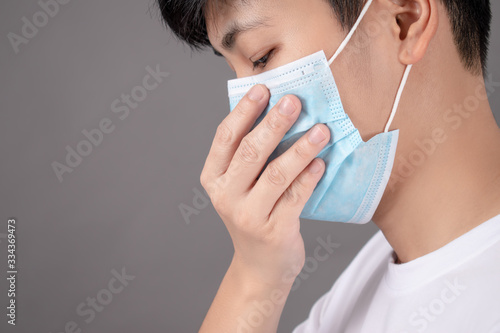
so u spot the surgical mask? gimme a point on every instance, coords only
(357, 172)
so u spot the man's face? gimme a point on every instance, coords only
(257, 36)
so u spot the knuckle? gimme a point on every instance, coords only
(248, 153)
(242, 109)
(203, 180)
(206, 183)
(293, 194)
(216, 190)
(219, 201)
(275, 175)
(301, 151)
(224, 134)
(299, 185)
(210, 187)
(273, 122)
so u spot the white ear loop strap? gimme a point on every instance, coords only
(398, 97)
(353, 30)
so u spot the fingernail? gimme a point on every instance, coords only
(315, 167)
(316, 135)
(256, 93)
(287, 107)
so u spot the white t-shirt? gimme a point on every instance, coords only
(451, 290)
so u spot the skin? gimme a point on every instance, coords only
(453, 190)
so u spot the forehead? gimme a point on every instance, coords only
(220, 15)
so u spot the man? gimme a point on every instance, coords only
(435, 264)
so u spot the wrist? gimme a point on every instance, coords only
(255, 286)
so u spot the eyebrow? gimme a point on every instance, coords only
(235, 29)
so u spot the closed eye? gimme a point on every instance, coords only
(262, 62)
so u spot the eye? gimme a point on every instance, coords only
(261, 63)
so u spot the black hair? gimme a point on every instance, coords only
(470, 23)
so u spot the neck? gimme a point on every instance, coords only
(446, 178)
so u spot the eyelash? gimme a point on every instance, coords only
(262, 62)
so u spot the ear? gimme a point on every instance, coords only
(417, 22)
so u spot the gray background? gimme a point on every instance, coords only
(120, 206)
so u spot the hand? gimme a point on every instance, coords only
(262, 215)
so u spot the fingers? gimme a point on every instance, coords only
(230, 132)
(256, 147)
(283, 171)
(293, 200)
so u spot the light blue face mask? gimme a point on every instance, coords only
(356, 172)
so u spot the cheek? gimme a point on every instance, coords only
(368, 75)
(354, 82)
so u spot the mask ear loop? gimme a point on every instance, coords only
(398, 97)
